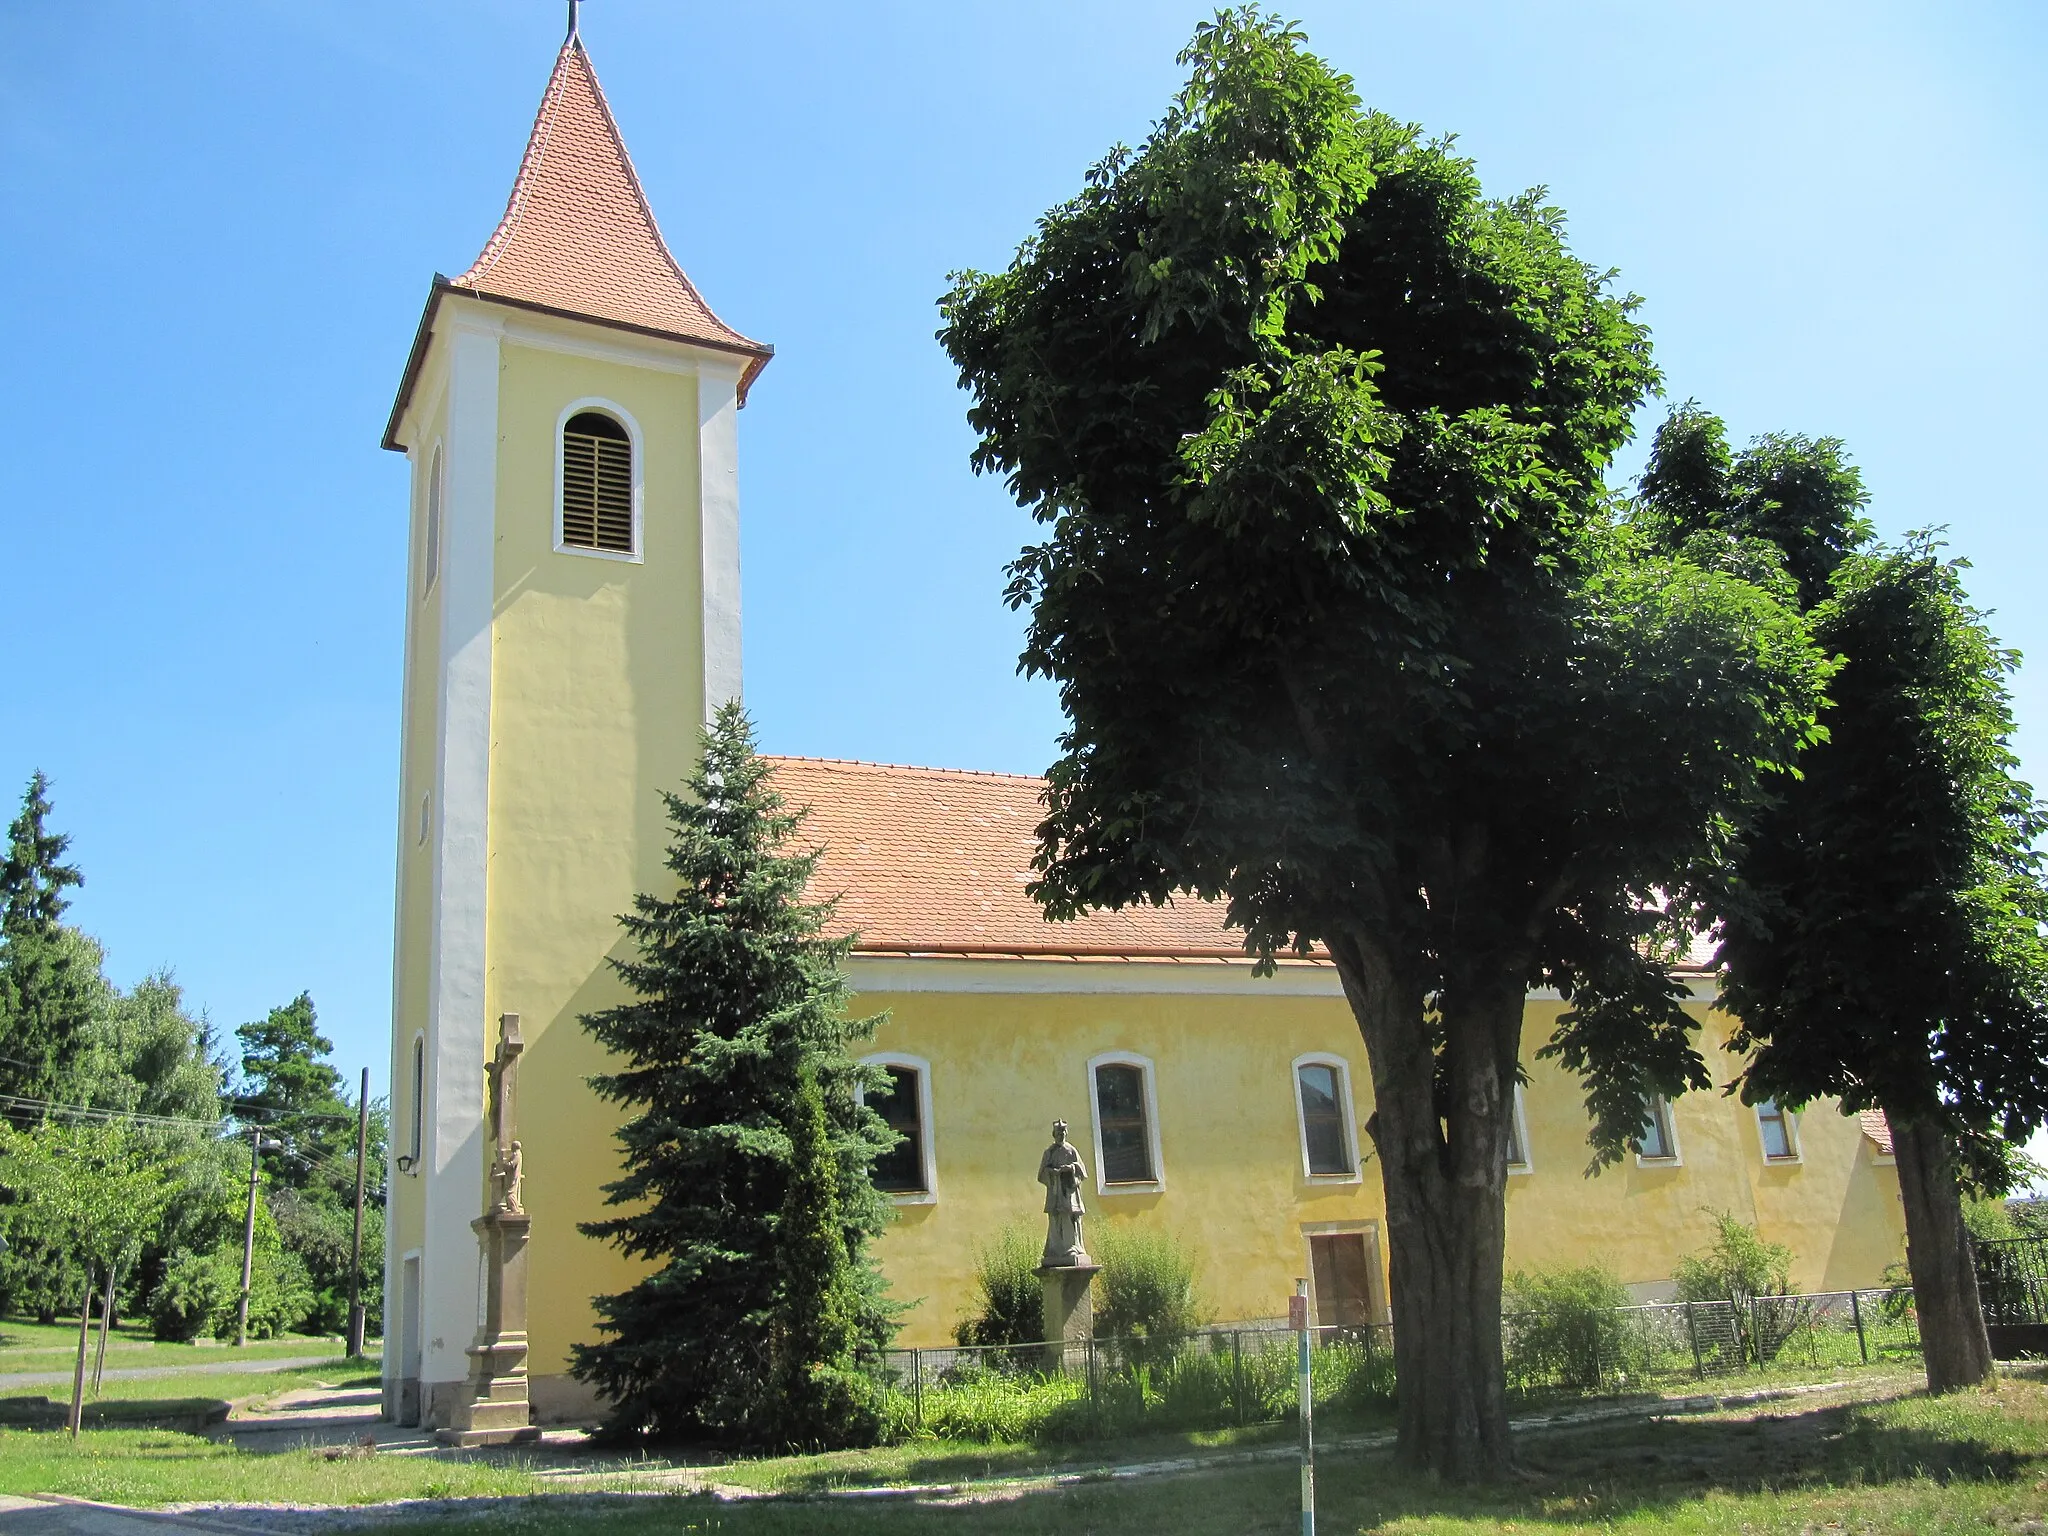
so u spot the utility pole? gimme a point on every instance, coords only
(355, 1252)
(257, 1144)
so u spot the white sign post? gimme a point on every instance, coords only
(1297, 1318)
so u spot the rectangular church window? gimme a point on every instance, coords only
(1324, 1136)
(1654, 1142)
(1775, 1126)
(1121, 1124)
(900, 1170)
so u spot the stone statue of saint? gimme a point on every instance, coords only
(505, 1175)
(1060, 1171)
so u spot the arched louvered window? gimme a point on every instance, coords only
(597, 484)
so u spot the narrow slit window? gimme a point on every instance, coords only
(900, 1170)
(430, 554)
(1323, 1131)
(1775, 1126)
(597, 484)
(411, 1162)
(1654, 1142)
(1120, 1120)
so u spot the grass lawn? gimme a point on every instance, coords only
(41, 1347)
(1977, 1462)
(146, 1467)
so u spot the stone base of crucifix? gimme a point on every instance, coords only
(495, 1410)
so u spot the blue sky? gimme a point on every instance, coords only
(217, 225)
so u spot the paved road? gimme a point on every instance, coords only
(145, 1372)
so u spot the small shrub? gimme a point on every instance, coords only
(1564, 1327)
(197, 1290)
(1009, 1299)
(1737, 1266)
(1146, 1293)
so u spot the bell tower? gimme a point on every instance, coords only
(572, 618)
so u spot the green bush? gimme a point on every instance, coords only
(200, 1292)
(1146, 1293)
(1564, 1327)
(1009, 1306)
(197, 1290)
(1737, 1266)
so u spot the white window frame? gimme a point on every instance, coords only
(1677, 1158)
(1518, 1108)
(1344, 1109)
(408, 1163)
(928, 1142)
(1149, 1076)
(433, 521)
(635, 442)
(1797, 1154)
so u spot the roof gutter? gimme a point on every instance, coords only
(422, 338)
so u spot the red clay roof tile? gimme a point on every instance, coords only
(935, 861)
(578, 235)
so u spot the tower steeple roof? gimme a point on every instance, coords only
(577, 233)
(578, 238)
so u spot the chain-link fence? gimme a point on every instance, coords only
(1659, 1343)
(1219, 1377)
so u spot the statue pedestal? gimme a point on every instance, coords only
(1069, 1314)
(496, 1410)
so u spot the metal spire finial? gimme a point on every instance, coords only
(574, 6)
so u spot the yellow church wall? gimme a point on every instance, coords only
(597, 695)
(1004, 1065)
(413, 931)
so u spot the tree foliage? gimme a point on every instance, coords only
(1349, 636)
(735, 1040)
(45, 1007)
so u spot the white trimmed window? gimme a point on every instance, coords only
(1774, 1128)
(1322, 1105)
(598, 498)
(430, 536)
(1657, 1141)
(1126, 1105)
(907, 1171)
(1518, 1135)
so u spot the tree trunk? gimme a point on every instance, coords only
(1445, 1177)
(1952, 1337)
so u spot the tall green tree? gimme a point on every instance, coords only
(1887, 942)
(1883, 921)
(1348, 635)
(45, 999)
(734, 1043)
(289, 1086)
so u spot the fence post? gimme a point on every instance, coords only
(1856, 1311)
(1237, 1372)
(1094, 1402)
(917, 1385)
(1692, 1327)
(1304, 1386)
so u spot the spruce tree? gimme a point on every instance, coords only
(819, 1395)
(45, 1001)
(738, 1004)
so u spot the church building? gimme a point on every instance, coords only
(570, 415)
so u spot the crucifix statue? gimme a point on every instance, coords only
(504, 1073)
(493, 1409)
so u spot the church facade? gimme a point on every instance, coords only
(569, 412)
